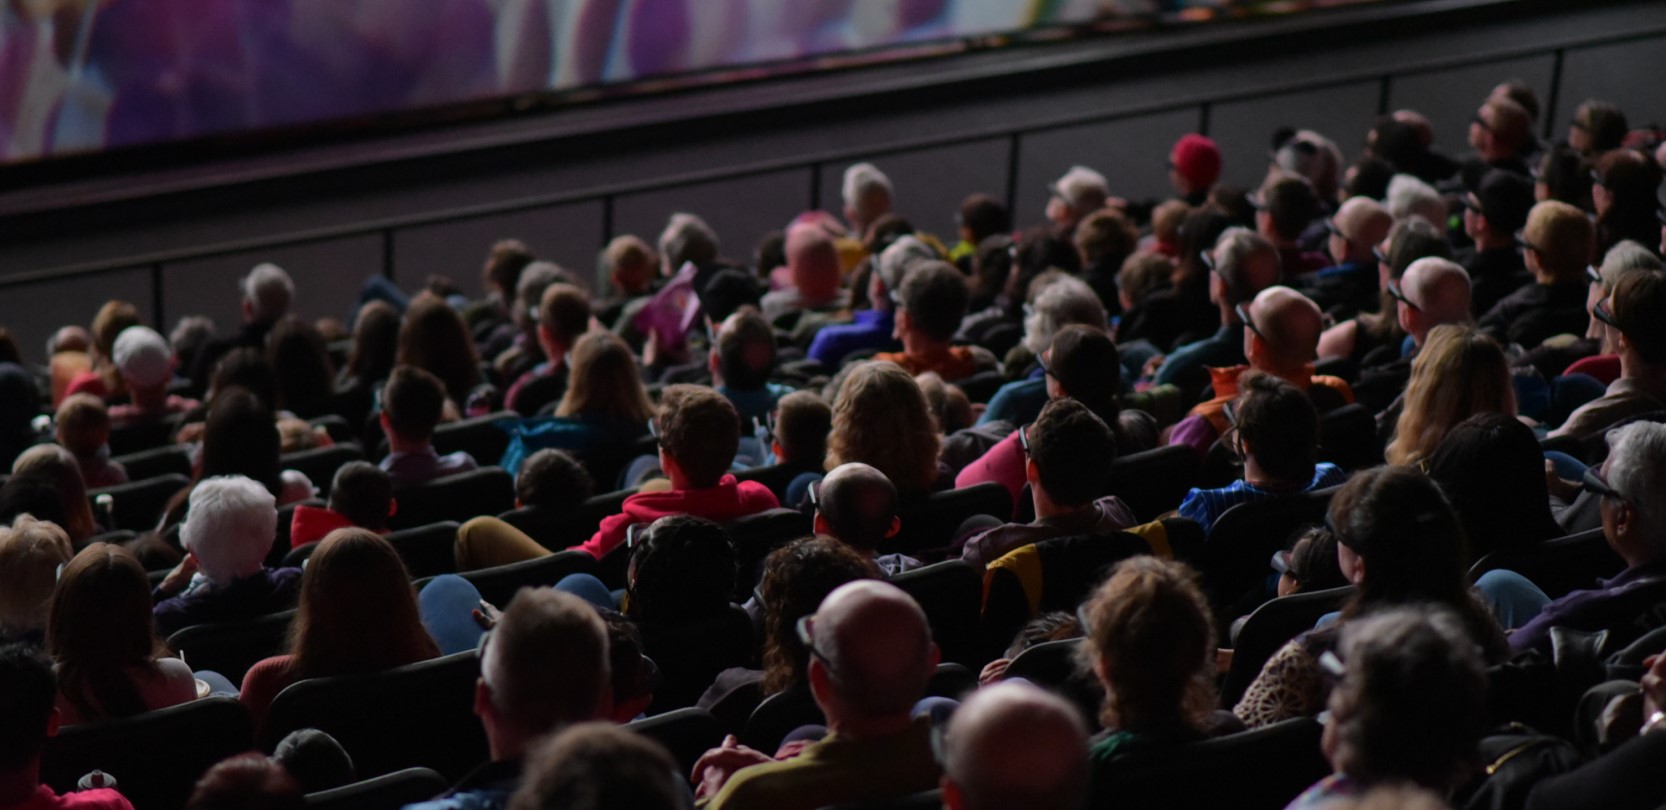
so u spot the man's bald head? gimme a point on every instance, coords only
(813, 260)
(1436, 291)
(1015, 745)
(1289, 324)
(859, 505)
(878, 650)
(1359, 225)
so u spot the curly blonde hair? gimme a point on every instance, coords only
(1459, 373)
(1150, 639)
(880, 418)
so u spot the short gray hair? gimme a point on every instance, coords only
(1066, 300)
(229, 527)
(1622, 260)
(1232, 251)
(1637, 469)
(268, 289)
(1409, 197)
(863, 180)
(686, 238)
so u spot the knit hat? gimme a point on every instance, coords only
(1196, 158)
(143, 356)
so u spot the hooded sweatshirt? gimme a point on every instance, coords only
(728, 500)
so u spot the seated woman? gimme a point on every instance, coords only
(1275, 432)
(103, 641)
(58, 465)
(1492, 470)
(1400, 545)
(881, 418)
(1409, 706)
(357, 613)
(604, 410)
(31, 552)
(1460, 372)
(1151, 642)
(227, 533)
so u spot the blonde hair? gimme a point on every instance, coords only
(58, 464)
(880, 418)
(1459, 373)
(30, 553)
(1151, 639)
(605, 381)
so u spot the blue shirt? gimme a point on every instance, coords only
(1018, 402)
(1207, 505)
(755, 404)
(1224, 348)
(869, 329)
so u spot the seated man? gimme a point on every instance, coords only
(871, 656)
(1284, 207)
(1350, 284)
(412, 403)
(1064, 301)
(1494, 210)
(1015, 745)
(361, 495)
(543, 667)
(813, 264)
(802, 422)
(1556, 248)
(227, 533)
(146, 365)
(872, 328)
(1069, 451)
(930, 306)
(1633, 316)
(857, 505)
(1631, 484)
(742, 358)
(698, 434)
(563, 316)
(1275, 430)
(1432, 292)
(28, 716)
(1241, 266)
(1281, 338)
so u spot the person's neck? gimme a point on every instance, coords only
(916, 345)
(401, 444)
(1297, 374)
(1229, 316)
(1046, 508)
(17, 786)
(1649, 376)
(1257, 477)
(1492, 240)
(867, 727)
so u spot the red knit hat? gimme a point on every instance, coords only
(1197, 159)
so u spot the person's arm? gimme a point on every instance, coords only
(609, 534)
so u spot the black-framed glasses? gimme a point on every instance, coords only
(814, 491)
(1330, 225)
(806, 636)
(1593, 483)
(1527, 243)
(1208, 260)
(1398, 294)
(1231, 436)
(1244, 315)
(1603, 312)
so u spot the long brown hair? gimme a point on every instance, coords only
(60, 466)
(881, 418)
(435, 339)
(1459, 373)
(375, 343)
(1151, 639)
(358, 611)
(605, 381)
(100, 628)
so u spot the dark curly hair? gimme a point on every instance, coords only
(797, 577)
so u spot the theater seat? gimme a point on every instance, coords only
(480, 437)
(691, 653)
(1261, 769)
(755, 536)
(156, 757)
(931, 522)
(927, 800)
(137, 505)
(230, 648)
(685, 733)
(1558, 566)
(950, 593)
(1237, 558)
(1268, 628)
(1071, 567)
(1054, 666)
(143, 436)
(498, 584)
(486, 491)
(319, 464)
(386, 792)
(170, 460)
(1154, 481)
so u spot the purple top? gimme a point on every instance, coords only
(411, 469)
(269, 591)
(1108, 514)
(1616, 601)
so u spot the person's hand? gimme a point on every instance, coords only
(1151, 366)
(190, 433)
(715, 767)
(486, 615)
(993, 671)
(1560, 488)
(177, 579)
(1654, 685)
(790, 750)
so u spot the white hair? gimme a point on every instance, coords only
(686, 238)
(268, 289)
(1637, 469)
(229, 527)
(1065, 301)
(1409, 197)
(1622, 260)
(861, 181)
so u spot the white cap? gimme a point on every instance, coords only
(143, 357)
(1082, 187)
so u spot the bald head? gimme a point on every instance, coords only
(1436, 292)
(859, 506)
(1014, 745)
(878, 649)
(1358, 226)
(813, 261)
(1289, 325)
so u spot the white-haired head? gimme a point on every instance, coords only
(867, 195)
(267, 293)
(229, 527)
(1064, 301)
(1636, 468)
(1409, 197)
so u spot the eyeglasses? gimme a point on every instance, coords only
(1379, 255)
(1526, 243)
(806, 636)
(1231, 437)
(1593, 483)
(1046, 367)
(1594, 274)
(815, 495)
(1024, 440)
(1400, 295)
(1244, 315)
(1603, 312)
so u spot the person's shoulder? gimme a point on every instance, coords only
(757, 494)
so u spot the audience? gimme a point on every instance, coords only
(813, 266)
(246, 782)
(28, 716)
(867, 195)
(742, 359)
(227, 533)
(1350, 284)
(563, 316)
(435, 339)
(1015, 745)
(56, 466)
(1431, 292)
(873, 326)
(857, 505)
(31, 552)
(930, 305)
(1240, 266)
(1459, 373)
(1490, 466)
(880, 418)
(413, 403)
(1632, 315)
(301, 367)
(1556, 245)
(267, 293)
(361, 495)
(83, 428)
(552, 480)
(1493, 213)
(146, 365)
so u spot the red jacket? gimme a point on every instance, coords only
(311, 523)
(728, 500)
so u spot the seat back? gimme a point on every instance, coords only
(1154, 481)
(481, 437)
(486, 491)
(142, 436)
(138, 505)
(156, 757)
(1053, 665)
(690, 654)
(981, 387)
(1268, 628)
(778, 715)
(427, 550)
(1237, 557)
(386, 792)
(170, 460)
(685, 733)
(419, 715)
(498, 584)
(319, 464)
(755, 536)
(951, 594)
(281, 550)
(1261, 769)
(1348, 438)
(931, 522)
(775, 476)
(557, 530)
(230, 648)
(337, 426)
(925, 800)
(1558, 566)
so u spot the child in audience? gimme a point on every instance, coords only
(412, 403)
(83, 428)
(361, 495)
(28, 689)
(552, 480)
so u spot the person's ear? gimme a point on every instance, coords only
(953, 799)
(902, 323)
(382, 419)
(1032, 473)
(936, 655)
(896, 526)
(248, 309)
(821, 682)
(53, 719)
(818, 524)
(775, 449)
(393, 506)
(482, 699)
(711, 362)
